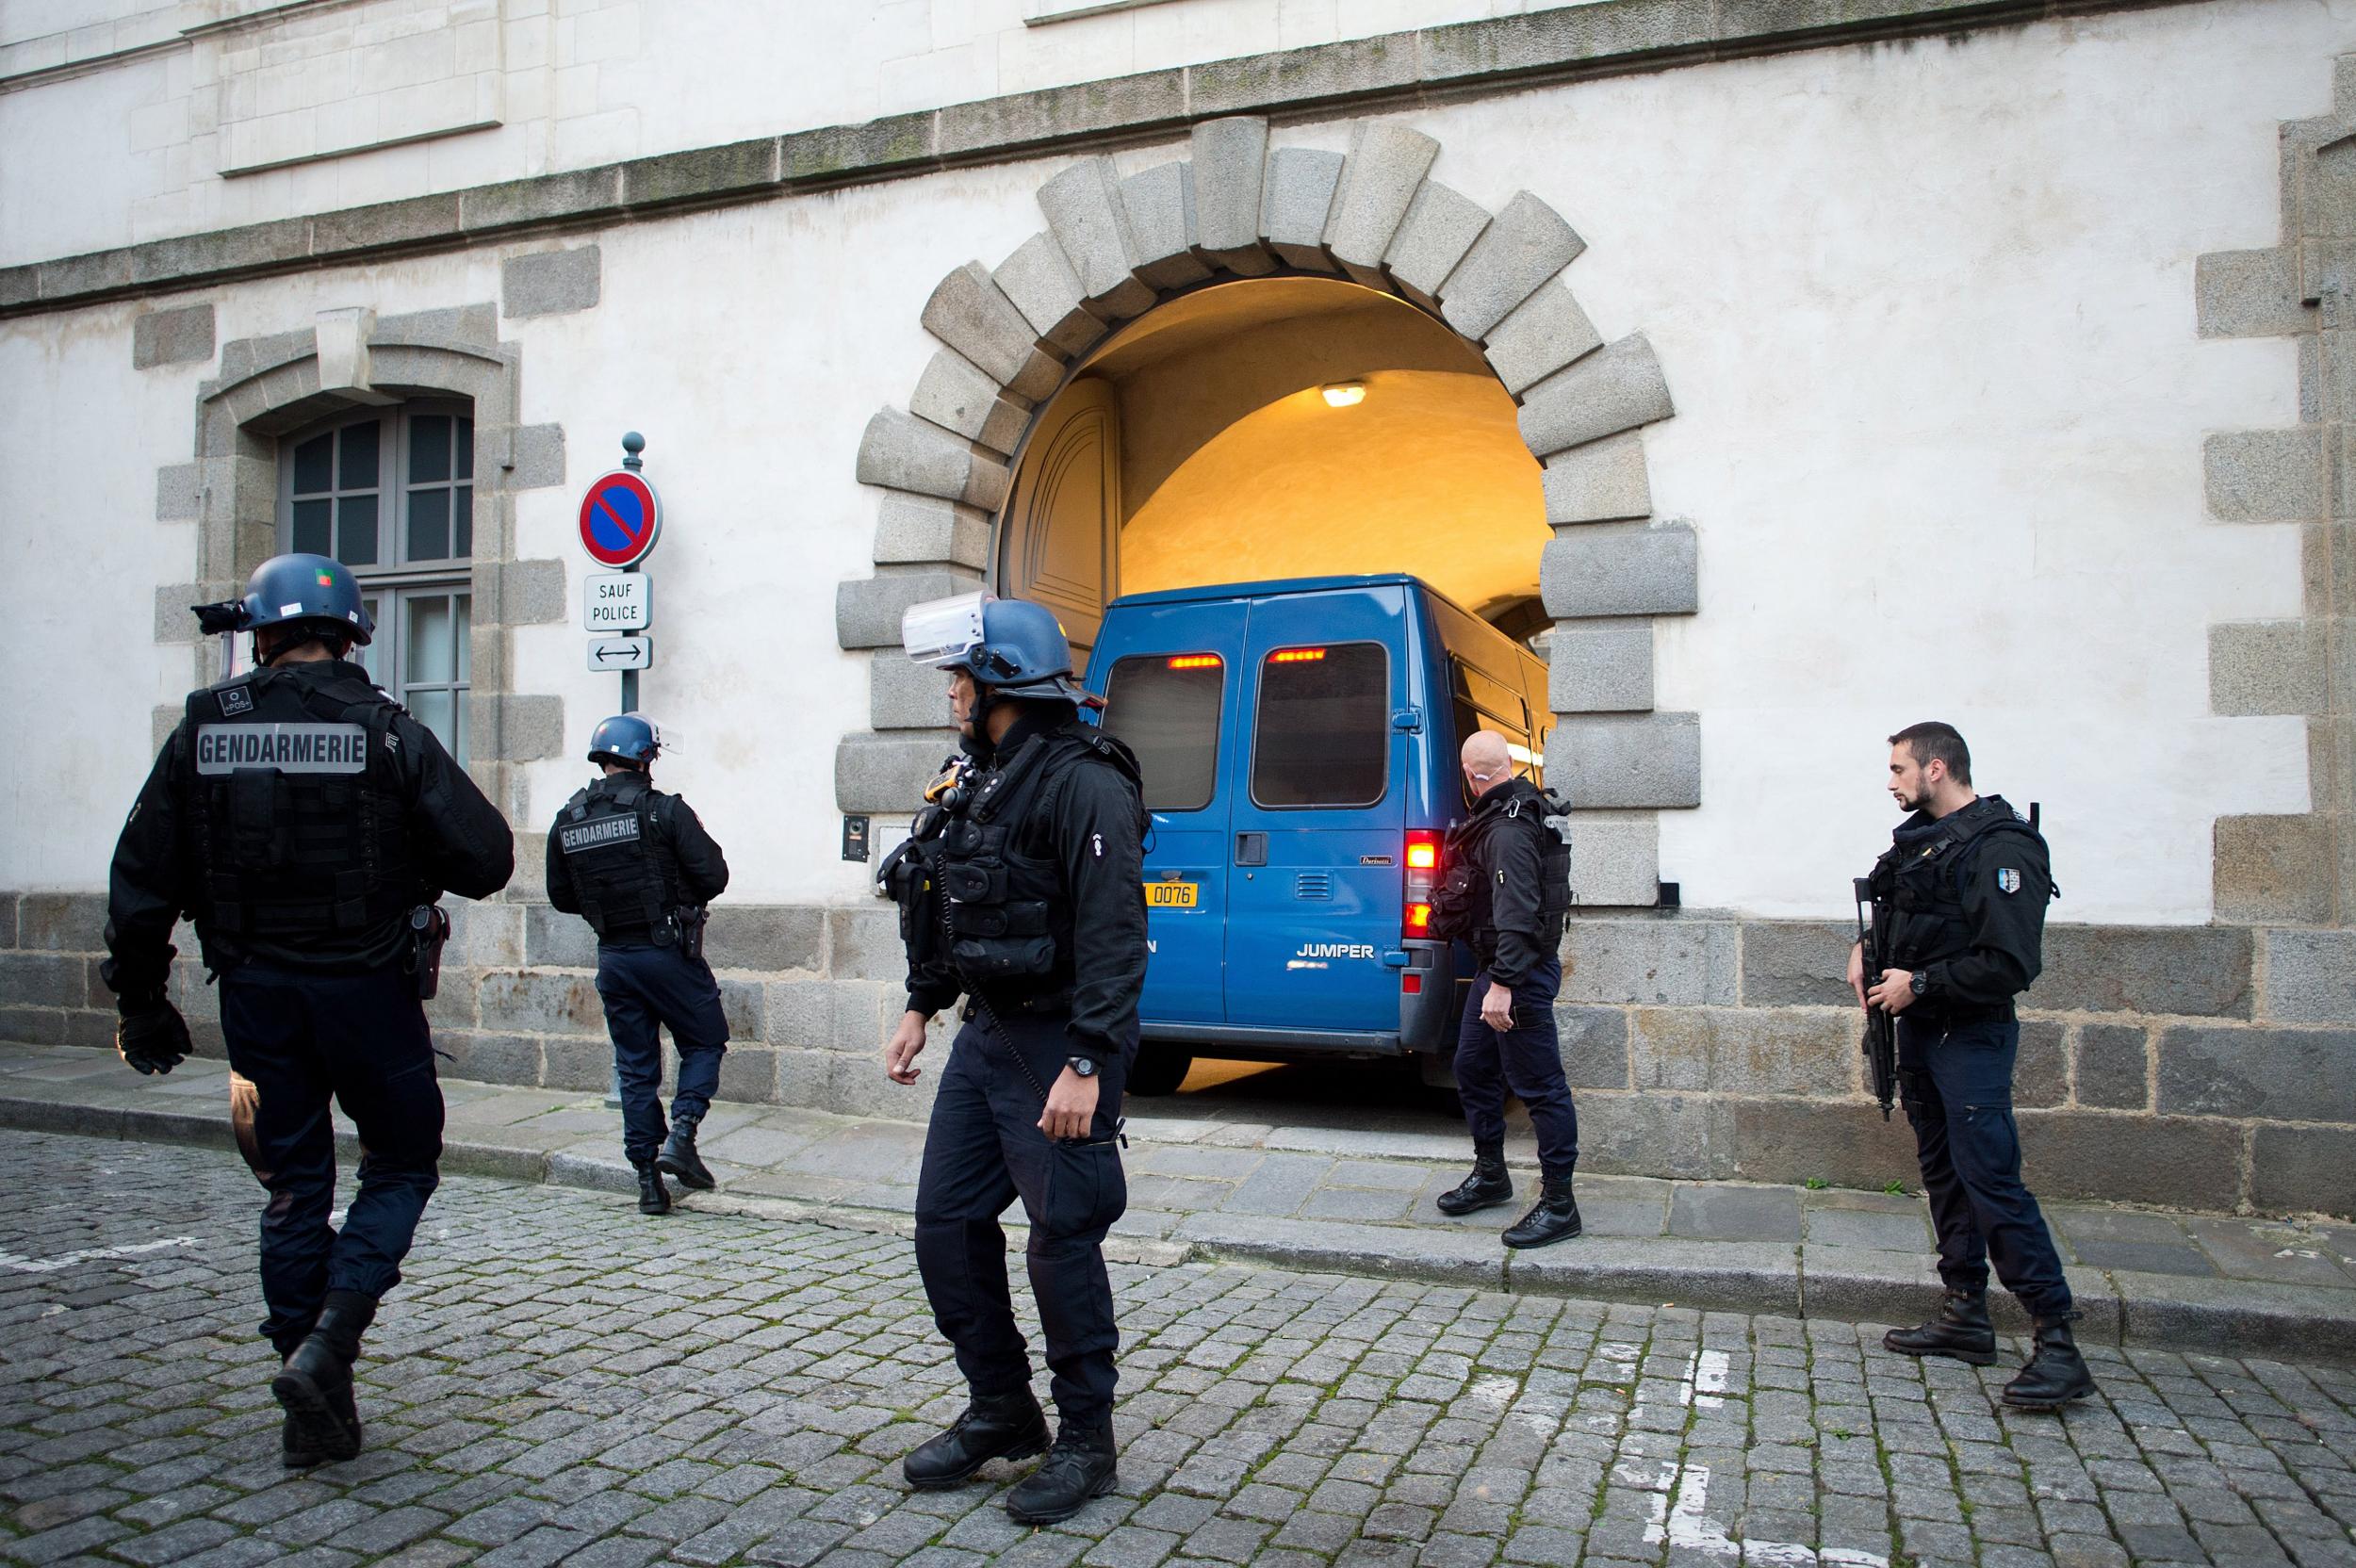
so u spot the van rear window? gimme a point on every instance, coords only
(1323, 733)
(1165, 707)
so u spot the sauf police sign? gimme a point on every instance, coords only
(615, 602)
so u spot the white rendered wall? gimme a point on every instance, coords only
(1926, 312)
(133, 148)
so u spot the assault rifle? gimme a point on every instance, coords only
(1881, 1030)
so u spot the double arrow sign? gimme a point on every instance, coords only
(621, 653)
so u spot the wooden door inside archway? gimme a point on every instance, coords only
(1060, 540)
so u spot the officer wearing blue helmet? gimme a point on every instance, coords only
(639, 867)
(308, 826)
(1023, 890)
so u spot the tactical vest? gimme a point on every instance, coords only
(622, 868)
(1923, 883)
(1463, 906)
(1006, 917)
(299, 809)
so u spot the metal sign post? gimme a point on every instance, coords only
(621, 519)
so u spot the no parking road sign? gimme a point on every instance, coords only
(620, 518)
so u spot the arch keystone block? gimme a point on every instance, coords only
(1161, 216)
(1527, 243)
(1295, 202)
(1084, 207)
(1230, 161)
(1542, 334)
(903, 452)
(1622, 569)
(955, 395)
(1631, 762)
(1615, 388)
(967, 313)
(1440, 226)
(1386, 165)
(1041, 281)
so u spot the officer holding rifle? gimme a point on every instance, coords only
(1959, 919)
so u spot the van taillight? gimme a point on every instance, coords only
(1422, 861)
(1195, 661)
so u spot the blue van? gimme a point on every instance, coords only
(1299, 743)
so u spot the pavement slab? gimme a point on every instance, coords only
(1358, 1199)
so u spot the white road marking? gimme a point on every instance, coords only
(94, 1254)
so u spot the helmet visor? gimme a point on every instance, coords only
(944, 633)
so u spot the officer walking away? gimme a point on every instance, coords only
(1964, 886)
(1507, 891)
(639, 867)
(309, 825)
(1023, 888)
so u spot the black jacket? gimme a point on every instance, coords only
(1985, 944)
(703, 871)
(1096, 840)
(462, 843)
(1509, 852)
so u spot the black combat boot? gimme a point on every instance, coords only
(1553, 1218)
(1081, 1466)
(1961, 1330)
(680, 1158)
(2056, 1374)
(315, 1385)
(653, 1196)
(1009, 1427)
(1485, 1188)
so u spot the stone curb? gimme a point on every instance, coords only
(2118, 1306)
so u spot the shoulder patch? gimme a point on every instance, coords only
(2008, 880)
(236, 699)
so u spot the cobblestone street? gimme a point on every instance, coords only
(559, 1378)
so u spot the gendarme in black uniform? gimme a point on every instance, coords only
(1036, 912)
(1965, 896)
(637, 864)
(1505, 894)
(299, 817)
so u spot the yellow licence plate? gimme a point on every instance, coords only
(1171, 896)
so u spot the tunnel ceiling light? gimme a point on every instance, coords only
(1344, 394)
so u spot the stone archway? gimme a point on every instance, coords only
(1115, 247)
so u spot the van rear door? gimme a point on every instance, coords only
(1318, 817)
(1168, 676)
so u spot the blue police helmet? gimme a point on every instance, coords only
(289, 588)
(626, 737)
(1013, 647)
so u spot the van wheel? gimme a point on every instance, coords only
(1159, 1070)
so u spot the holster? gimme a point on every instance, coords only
(428, 928)
(689, 921)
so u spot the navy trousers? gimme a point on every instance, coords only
(646, 987)
(297, 1041)
(983, 1150)
(1526, 1059)
(1956, 1081)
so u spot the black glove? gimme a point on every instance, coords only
(153, 1037)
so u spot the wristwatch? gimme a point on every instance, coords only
(1081, 1065)
(1921, 982)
